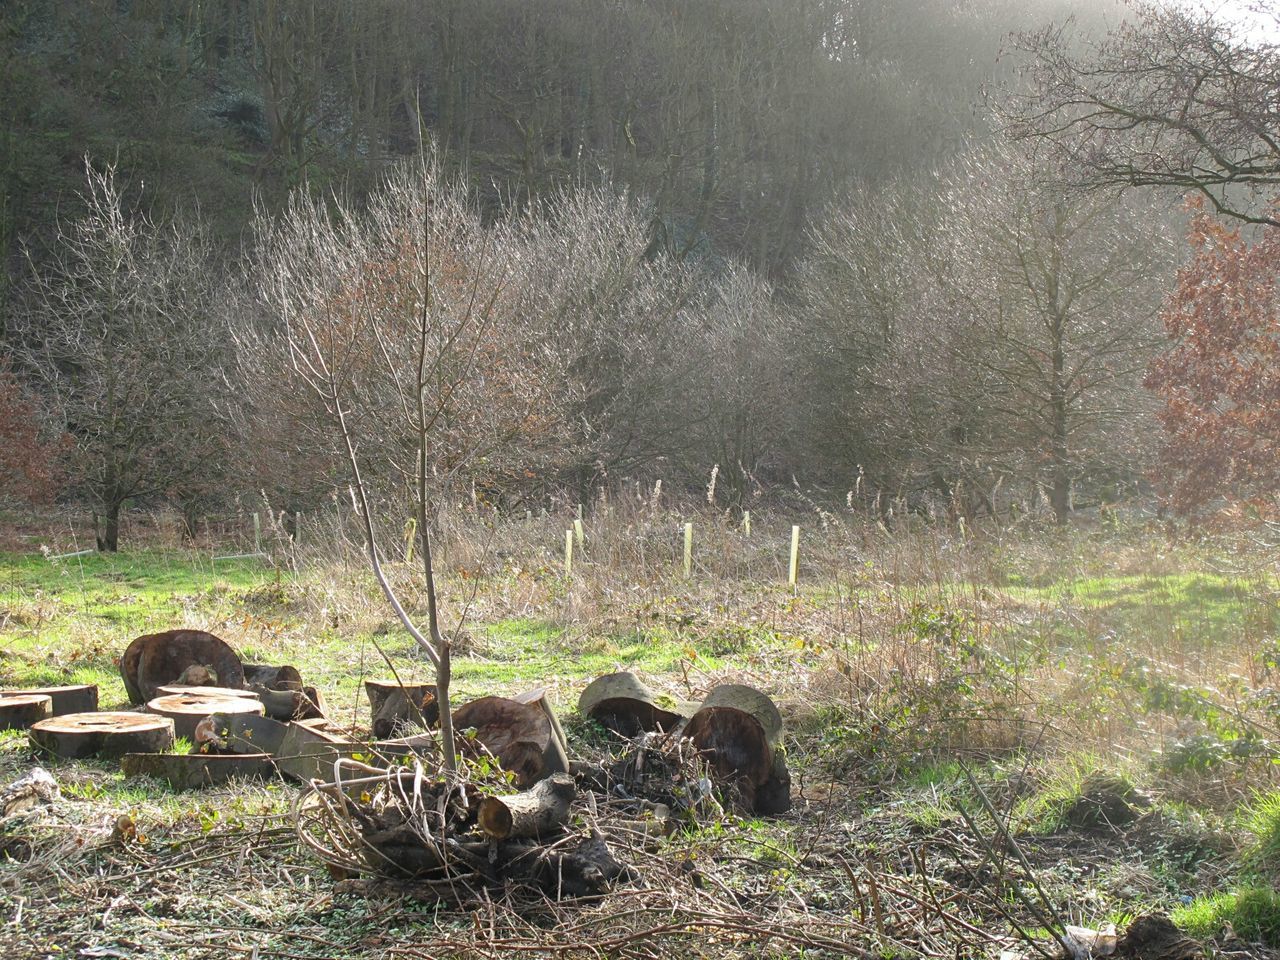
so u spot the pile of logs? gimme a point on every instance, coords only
(187, 683)
(455, 837)
(736, 729)
(381, 808)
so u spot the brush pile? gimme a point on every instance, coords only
(453, 839)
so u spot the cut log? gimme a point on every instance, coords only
(186, 710)
(176, 689)
(557, 758)
(774, 795)
(242, 733)
(104, 734)
(518, 735)
(308, 753)
(191, 771)
(391, 704)
(286, 705)
(273, 678)
(21, 711)
(584, 869)
(191, 657)
(626, 706)
(73, 698)
(533, 813)
(739, 729)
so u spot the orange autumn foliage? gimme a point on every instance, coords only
(30, 467)
(1220, 379)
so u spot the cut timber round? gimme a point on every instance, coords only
(391, 704)
(517, 734)
(273, 678)
(534, 813)
(176, 689)
(107, 734)
(627, 707)
(286, 705)
(73, 698)
(188, 657)
(739, 730)
(557, 759)
(239, 733)
(190, 771)
(20, 712)
(307, 751)
(187, 710)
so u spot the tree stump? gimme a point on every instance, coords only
(391, 704)
(190, 771)
(178, 656)
(186, 710)
(73, 698)
(740, 730)
(626, 706)
(20, 712)
(533, 813)
(518, 735)
(104, 734)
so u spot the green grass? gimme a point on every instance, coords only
(1251, 913)
(67, 621)
(1262, 821)
(1187, 610)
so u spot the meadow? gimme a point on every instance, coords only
(958, 700)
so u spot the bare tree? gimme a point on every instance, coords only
(404, 325)
(1001, 324)
(1174, 97)
(619, 320)
(741, 395)
(118, 331)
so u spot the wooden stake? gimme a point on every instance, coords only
(297, 528)
(568, 553)
(578, 533)
(688, 549)
(795, 556)
(746, 522)
(257, 533)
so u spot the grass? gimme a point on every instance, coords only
(1262, 821)
(902, 661)
(1251, 914)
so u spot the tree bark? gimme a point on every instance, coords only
(533, 813)
(107, 528)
